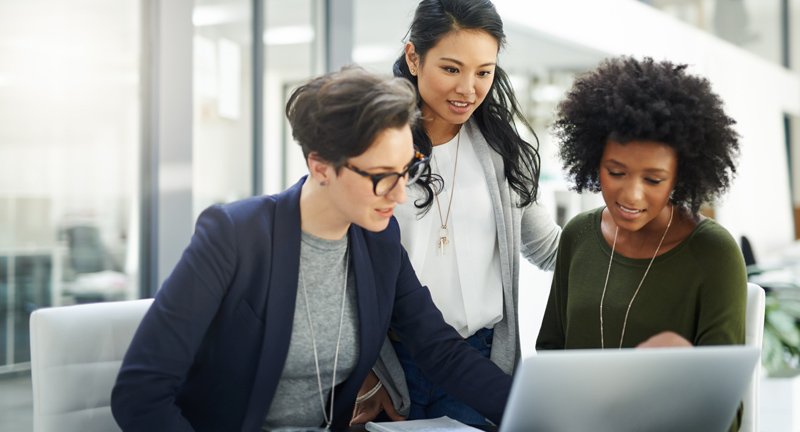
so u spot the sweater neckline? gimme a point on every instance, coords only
(596, 219)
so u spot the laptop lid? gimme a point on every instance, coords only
(656, 389)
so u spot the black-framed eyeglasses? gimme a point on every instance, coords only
(382, 184)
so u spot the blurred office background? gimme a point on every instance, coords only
(120, 121)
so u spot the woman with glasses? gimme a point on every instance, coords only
(465, 231)
(279, 306)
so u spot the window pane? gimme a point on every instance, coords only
(69, 159)
(754, 25)
(223, 101)
(293, 54)
(379, 42)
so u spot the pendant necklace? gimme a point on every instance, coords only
(328, 419)
(443, 231)
(625, 322)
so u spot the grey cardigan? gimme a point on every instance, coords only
(529, 231)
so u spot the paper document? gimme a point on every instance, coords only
(441, 424)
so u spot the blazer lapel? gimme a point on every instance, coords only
(281, 297)
(367, 296)
(370, 337)
(280, 304)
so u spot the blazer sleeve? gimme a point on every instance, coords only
(164, 346)
(390, 372)
(539, 236)
(440, 351)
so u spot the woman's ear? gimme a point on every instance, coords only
(319, 169)
(412, 58)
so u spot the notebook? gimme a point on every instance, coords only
(657, 389)
(441, 424)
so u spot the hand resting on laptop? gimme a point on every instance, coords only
(664, 340)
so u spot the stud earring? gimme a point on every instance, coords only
(413, 72)
(322, 183)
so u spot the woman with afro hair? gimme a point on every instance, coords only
(646, 269)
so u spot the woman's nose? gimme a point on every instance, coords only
(398, 192)
(633, 192)
(466, 85)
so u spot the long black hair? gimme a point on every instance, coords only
(435, 19)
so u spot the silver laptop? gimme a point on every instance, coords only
(656, 389)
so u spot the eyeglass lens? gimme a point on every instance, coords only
(387, 183)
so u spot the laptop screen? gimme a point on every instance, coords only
(658, 389)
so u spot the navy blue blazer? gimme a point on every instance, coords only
(210, 351)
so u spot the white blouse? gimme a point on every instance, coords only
(465, 282)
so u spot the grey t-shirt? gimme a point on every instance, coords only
(297, 400)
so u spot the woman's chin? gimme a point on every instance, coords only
(375, 225)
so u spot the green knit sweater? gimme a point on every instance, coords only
(698, 289)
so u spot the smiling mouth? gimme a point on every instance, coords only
(628, 210)
(460, 104)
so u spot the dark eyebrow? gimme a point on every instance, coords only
(622, 165)
(615, 163)
(462, 64)
(389, 168)
(381, 168)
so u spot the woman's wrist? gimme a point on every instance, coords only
(370, 393)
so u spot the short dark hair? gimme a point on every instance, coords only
(434, 20)
(626, 100)
(339, 115)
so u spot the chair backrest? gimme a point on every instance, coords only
(76, 353)
(747, 251)
(754, 334)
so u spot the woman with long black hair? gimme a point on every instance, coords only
(464, 230)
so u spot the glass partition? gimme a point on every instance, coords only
(222, 150)
(294, 45)
(69, 159)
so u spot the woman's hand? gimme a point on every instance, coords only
(368, 409)
(665, 339)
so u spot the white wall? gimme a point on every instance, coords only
(756, 93)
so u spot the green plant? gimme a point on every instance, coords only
(781, 346)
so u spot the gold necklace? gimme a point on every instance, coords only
(443, 231)
(625, 323)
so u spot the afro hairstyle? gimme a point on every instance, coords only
(627, 100)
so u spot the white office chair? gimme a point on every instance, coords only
(754, 333)
(76, 353)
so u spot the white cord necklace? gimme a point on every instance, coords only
(328, 419)
(614, 246)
